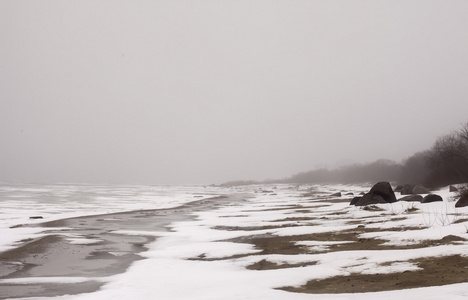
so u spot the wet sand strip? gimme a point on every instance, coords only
(105, 253)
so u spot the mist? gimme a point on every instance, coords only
(200, 92)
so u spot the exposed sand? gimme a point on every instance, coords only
(434, 271)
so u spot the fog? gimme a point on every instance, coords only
(188, 91)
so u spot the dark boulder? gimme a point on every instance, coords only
(432, 198)
(398, 188)
(379, 198)
(369, 199)
(349, 194)
(412, 198)
(336, 194)
(36, 217)
(384, 189)
(381, 192)
(462, 202)
(419, 189)
(453, 189)
(407, 189)
(354, 200)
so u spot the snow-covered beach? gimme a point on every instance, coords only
(248, 242)
(140, 141)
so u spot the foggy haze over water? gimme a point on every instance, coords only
(181, 92)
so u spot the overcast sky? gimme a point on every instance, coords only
(188, 91)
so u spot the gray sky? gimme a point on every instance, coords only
(187, 91)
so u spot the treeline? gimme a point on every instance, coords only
(445, 163)
(448, 159)
(376, 171)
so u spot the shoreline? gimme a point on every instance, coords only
(384, 249)
(89, 247)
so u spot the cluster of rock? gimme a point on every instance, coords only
(382, 192)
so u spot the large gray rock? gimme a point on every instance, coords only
(462, 202)
(407, 189)
(369, 199)
(419, 189)
(412, 198)
(432, 198)
(453, 189)
(381, 192)
(379, 199)
(355, 200)
(384, 189)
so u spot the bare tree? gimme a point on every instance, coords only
(449, 158)
(463, 133)
(454, 145)
(415, 168)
